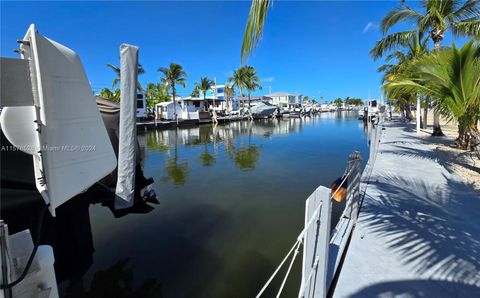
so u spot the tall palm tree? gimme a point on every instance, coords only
(253, 81)
(115, 69)
(239, 81)
(245, 77)
(172, 75)
(228, 91)
(438, 16)
(205, 85)
(452, 76)
(413, 50)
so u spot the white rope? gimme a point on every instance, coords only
(276, 271)
(288, 270)
(315, 265)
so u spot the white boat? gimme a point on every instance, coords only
(262, 109)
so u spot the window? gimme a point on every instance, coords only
(139, 96)
(139, 104)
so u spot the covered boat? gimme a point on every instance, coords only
(263, 110)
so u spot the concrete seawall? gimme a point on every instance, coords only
(418, 233)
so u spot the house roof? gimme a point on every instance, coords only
(166, 103)
(282, 93)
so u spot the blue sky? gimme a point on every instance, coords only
(317, 48)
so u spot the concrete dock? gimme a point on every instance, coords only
(418, 233)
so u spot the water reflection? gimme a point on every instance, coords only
(115, 281)
(235, 138)
(206, 158)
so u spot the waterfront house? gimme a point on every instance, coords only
(255, 99)
(285, 100)
(216, 98)
(185, 110)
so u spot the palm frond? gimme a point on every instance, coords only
(254, 28)
(470, 9)
(398, 15)
(114, 68)
(469, 27)
(115, 82)
(392, 41)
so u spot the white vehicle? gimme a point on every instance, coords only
(141, 106)
(372, 108)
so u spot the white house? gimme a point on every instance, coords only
(215, 94)
(284, 99)
(166, 111)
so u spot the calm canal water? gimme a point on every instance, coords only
(232, 202)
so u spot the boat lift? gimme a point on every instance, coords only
(48, 110)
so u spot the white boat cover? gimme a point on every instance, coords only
(74, 149)
(127, 146)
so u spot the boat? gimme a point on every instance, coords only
(78, 145)
(262, 110)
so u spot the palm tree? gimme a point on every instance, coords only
(205, 85)
(245, 77)
(239, 81)
(414, 49)
(228, 91)
(452, 77)
(111, 95)
(438, 17)
(156, 93)
(253, 81)
(195, 91)
(173, 75)
(140, 71)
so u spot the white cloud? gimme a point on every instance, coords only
(268, 79)
(370, 26)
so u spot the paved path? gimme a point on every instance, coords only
(418, 233)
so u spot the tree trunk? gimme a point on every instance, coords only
(408, 113)
(468, 137)
(437, 130)
(174, 104)
(425, 114)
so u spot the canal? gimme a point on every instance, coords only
(231, 204)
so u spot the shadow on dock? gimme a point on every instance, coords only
(435, 233)
(416, 288)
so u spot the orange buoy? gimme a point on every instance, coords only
(342, 189)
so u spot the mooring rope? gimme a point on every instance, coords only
(315, 265)
(288, 270)
(276, 270)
